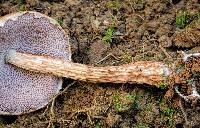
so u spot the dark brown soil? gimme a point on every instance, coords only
(142, 30)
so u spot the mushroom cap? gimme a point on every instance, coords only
(32, 32)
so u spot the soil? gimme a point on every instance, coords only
(141, 30)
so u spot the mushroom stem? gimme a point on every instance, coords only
(148, 72)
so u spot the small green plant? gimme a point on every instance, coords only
(60, 20)
(182, 20)
(167, 111)
(127, 58)
(109, 33)
(162, 85)
(98, 124)
(113, 4)
(22, 6)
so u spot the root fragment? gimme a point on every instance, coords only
(193, 96)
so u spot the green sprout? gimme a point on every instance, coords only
(60, 20)
(22, 6)
(109, 33)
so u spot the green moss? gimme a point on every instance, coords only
(182, 20)
(99, 124)
(60, 20)
(127, 58)
(141, 125)
(185, 20)
(167, 111)
(124, 101)
(162, 85)
(113, 4)
(22, 6)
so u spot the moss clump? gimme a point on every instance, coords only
(182, 20)
(60, 20)
(22, 6)
(162, 85)
(113, 4)
(124, 101)
(167, 111)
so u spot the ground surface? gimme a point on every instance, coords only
(105, 32)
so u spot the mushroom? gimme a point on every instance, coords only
(24, 91)
(36, 43)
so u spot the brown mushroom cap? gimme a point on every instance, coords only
(24, 91)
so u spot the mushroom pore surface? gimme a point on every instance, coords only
(23, 91)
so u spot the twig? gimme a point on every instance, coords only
(186, 57)
(52, 114)
(106, 57)
(165, 52)
(183, 112)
